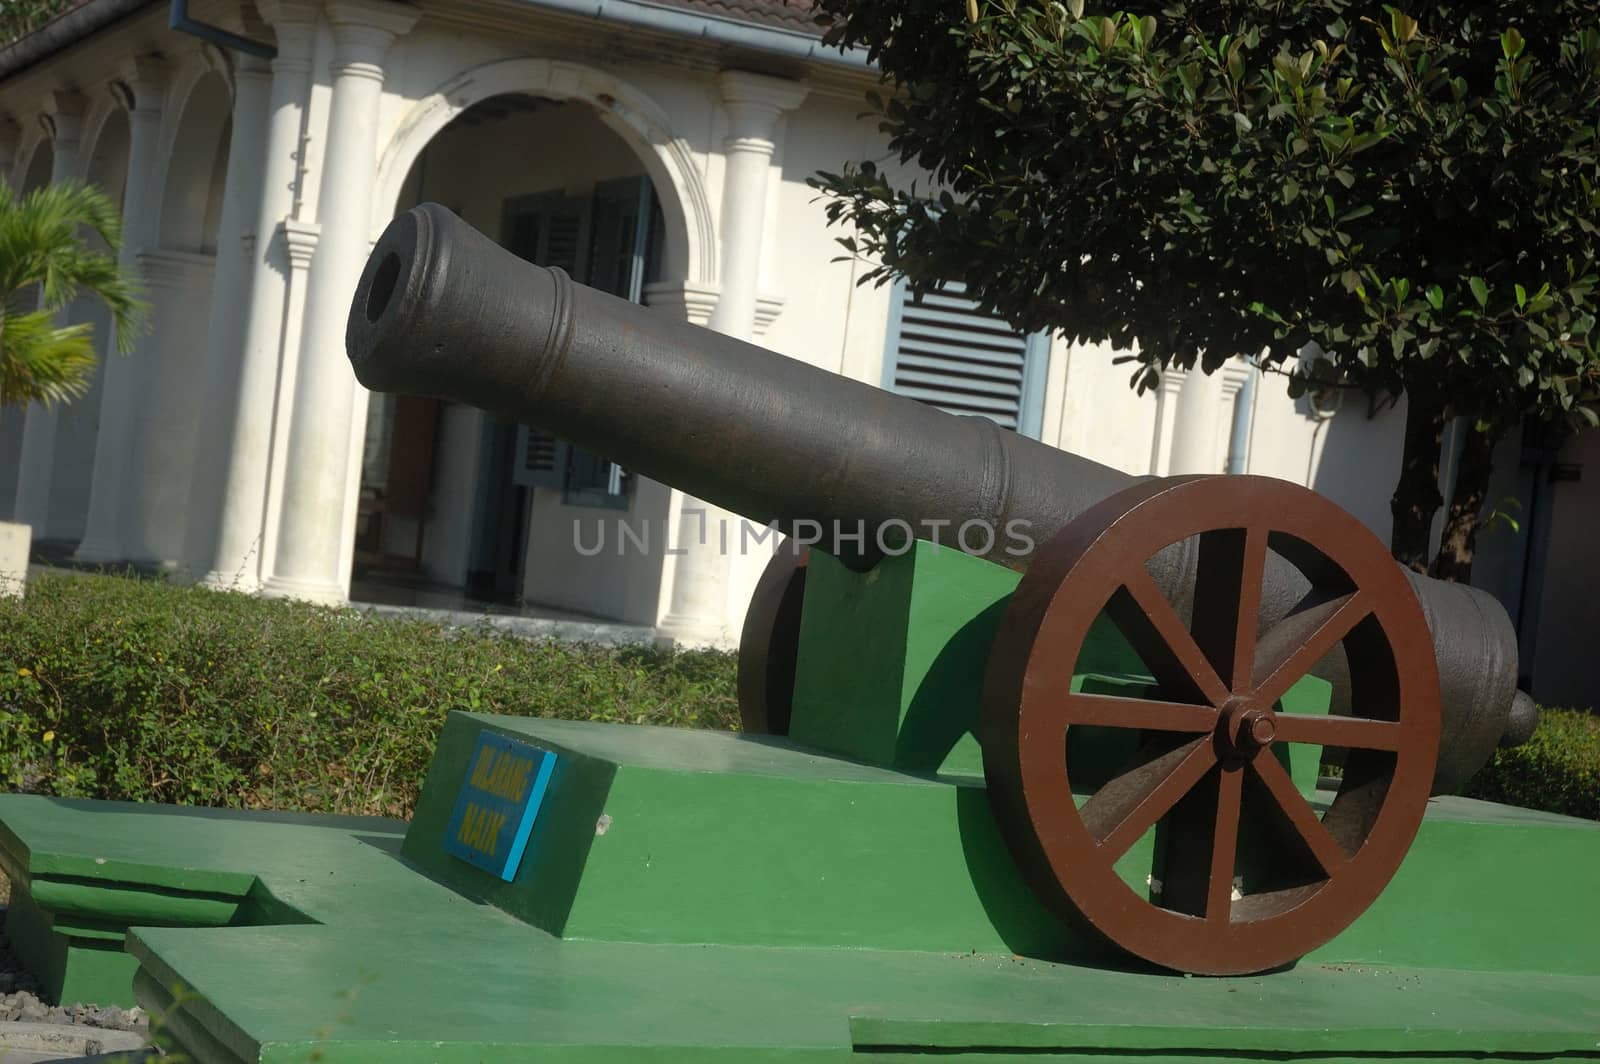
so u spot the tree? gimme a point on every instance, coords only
(18, 18)
(45, 264)
(1197, 179)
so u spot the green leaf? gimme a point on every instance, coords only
(1436, 297)
(1480, 291)
(1511, 43)
(1522, 296)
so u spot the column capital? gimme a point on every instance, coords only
(363, 32)
(688, 301)
(370, 20)
(300, 240)
(61, 115)
(253, 68)
(140, 84)
(277, 13)
(294, 23)
(755, 101)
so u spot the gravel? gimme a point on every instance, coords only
(20, 999)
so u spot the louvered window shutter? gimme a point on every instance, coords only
(618, 252)
(551, 230)
(944, 351)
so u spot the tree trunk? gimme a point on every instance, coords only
(1454, 560)
(1416, 497)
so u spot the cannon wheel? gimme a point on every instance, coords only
(769, 643)
(1244, 874)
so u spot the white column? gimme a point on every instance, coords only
(698, 609)
(300, 245)
(1197, 424)
(239, 253)
(754, 103)
(64, 119)
(146, 81)
(227, 552)
(306, 563)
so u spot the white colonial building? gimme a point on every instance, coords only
(656, 148)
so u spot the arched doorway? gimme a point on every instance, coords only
(73, 464)
(457, 508)
(34, 174)
(171, 376)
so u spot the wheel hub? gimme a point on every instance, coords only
(1245, 728)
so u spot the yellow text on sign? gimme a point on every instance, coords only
(480, 829)
(502, 774)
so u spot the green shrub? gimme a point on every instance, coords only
(1558, 770)
(140, 690)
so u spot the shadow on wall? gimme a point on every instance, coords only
(1355, 456)
(1543, 570)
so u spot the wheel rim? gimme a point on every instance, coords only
(1206, 768)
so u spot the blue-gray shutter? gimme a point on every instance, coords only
(944, 351)
(619, 238)
(552, 230)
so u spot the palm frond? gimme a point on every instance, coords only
(42, 247)
(43, 363)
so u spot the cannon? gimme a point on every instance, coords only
(1229, 589)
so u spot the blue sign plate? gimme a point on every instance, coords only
(499, 800)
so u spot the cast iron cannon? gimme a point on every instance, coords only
(1229, 588)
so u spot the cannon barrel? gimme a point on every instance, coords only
(443, 311)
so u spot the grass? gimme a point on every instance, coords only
(138, 690)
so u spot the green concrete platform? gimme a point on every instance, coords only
(706, 896)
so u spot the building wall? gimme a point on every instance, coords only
(1568, 603)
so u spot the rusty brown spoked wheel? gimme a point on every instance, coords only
(1200, 854)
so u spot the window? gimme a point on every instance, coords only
(607, 240)
(945, 352)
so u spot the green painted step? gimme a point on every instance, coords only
(396, 959)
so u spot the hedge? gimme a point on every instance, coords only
(1558, 770)
(143, 691)
(140, 690)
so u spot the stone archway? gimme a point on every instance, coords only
(35, 158)
(177, 274)
(106, 145)
(691, 245)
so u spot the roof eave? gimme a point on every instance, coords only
(64, 31)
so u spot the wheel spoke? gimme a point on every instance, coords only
(1356, 733)
(1295, 644)
(1328, 853)
(1148, 621)
(1227, 600)
(1114, 711)
(1224, 846)
(1125, 808)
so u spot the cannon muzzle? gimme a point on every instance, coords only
(443, 311)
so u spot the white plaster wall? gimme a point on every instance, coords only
(166, 412)
(612, 576)
(446, 539)
(76, 431)
(1091, 411)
